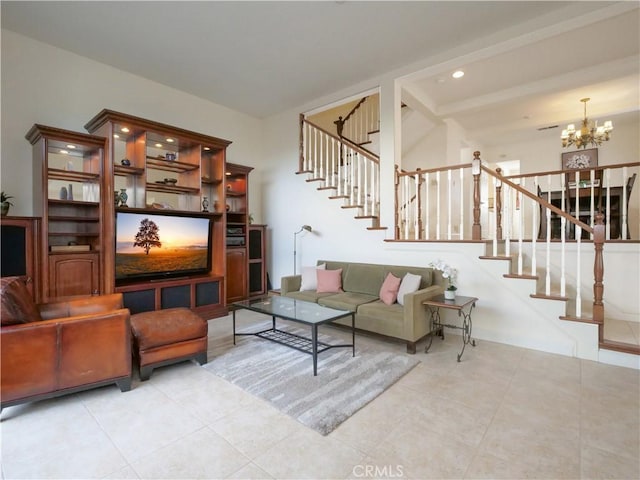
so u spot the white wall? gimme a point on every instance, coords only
(46, 85)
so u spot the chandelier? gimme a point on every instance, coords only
(589, 134)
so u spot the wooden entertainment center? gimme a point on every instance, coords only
(130, 164)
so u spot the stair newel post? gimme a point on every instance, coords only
(599, 231)
(301, 144)
(499, 204)
(476, 230)
(397, 209)
(339, 126)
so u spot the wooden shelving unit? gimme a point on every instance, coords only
(70, 167)
(154, 153)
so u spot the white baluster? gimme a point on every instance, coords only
(449, 189)
(507, 219)
(462, 205)
(426, 207)
(563, 282)
(623, 231)
(321, 156)
(592, 222)
(316, 154)
(495, 217)
(340, 169)
(305, 145)
(607, 215)
(521, 225)
(535, 225)
(438, 205)
(578, 273)
(335, 168)
(547, 282)
(406, 205)
(577, 196)
(416, 227)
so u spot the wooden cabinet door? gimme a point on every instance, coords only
(236, 274)
(73, 274)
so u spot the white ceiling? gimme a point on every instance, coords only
(263, 58)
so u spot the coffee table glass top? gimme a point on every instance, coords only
(292, 309)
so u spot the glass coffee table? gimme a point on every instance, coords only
(298, 311)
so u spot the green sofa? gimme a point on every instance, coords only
(361, 283)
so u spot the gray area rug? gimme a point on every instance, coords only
(284, 377)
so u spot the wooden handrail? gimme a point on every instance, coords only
(539, 200)
(360, 150)
(560, 172)
(353, 110)
(433, 170)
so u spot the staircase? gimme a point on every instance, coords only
(469, 202)
(342, 164)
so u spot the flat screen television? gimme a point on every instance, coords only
(161, 245)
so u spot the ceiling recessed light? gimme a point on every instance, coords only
(207, 148)
(71, 146)
(64, 151)
(170, 140)
(124, 129)
(115, 135)
(458, 74)
(227, 173)
(159, 145)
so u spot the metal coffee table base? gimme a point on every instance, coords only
(311, 345)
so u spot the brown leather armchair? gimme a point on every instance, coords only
(53, 349)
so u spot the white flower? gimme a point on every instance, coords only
(447, 272)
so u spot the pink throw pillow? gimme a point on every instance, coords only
(329, 281)
(389, 289)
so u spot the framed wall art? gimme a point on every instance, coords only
(580, 159)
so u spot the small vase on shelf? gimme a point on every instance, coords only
(70, 195)
(205, 204)
(123, 197)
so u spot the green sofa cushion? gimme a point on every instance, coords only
(308, 295)
(381, 311)
(346, 301)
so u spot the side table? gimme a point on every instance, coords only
(460, 303)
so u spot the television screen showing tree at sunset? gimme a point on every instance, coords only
(161, 245)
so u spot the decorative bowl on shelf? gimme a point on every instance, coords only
(170, 156)
(170, 181)
(125, 162)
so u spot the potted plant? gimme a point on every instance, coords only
(5, 203)
(450, 275)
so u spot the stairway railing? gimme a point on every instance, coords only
(520, 221)
(351, 172)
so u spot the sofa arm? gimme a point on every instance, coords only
(416, 315)
(290, 284)
(83, 306)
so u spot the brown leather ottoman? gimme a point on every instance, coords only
(163, 337)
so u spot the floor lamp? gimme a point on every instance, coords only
(295, 243)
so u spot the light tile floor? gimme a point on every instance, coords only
(503, 412)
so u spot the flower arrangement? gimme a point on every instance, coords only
(448, 273)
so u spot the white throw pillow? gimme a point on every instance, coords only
(410, 283)
(310, 277)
